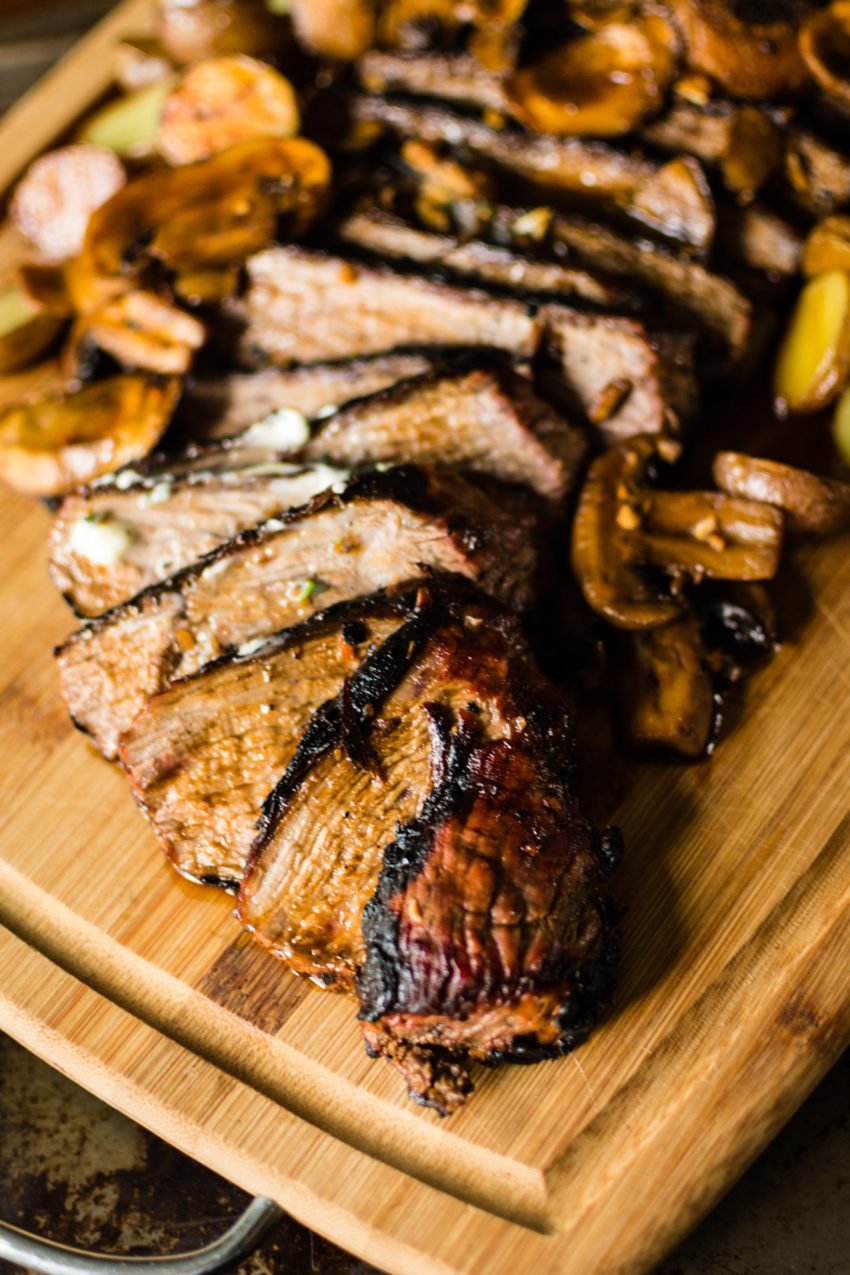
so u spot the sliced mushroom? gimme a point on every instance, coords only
(496, 36)
(676, 201)
(26, 332)
(129, 125)
(222, 101)
(337, 29)
(825, 47)
(748, 58)
(139, 62)
(142, 331)
(213, 236)
(292, 172)
(819, 173)
(191, 30)
(706, 535)
(46, 448)
(613, 585)
(59, 192)
(827, 247)
(665, 692)
(753, 152)
(814, 360)
(603, 84)
(818, 506)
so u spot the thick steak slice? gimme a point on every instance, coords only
(378, 531)
(303, 306)
(203, 755)
(386, 235)
(424, 846)
(163, 523)
(484, 421)
(455, 77)
(216, 407)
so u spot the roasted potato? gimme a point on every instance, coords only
(814, 359)
(812, 505)
(221, 102)
(57, 195)
(26, 331)
(841, 427)
(50, 446)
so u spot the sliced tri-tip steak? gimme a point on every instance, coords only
(216, 407)
(379, 232)
(485, 421)
(111, 541)
(378, 531)
(453, 77)
(304, 305)
(203, 755)
(424, 846)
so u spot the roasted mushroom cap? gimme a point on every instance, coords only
(814, 359)
(58, 193)
(48, 447)
(748, 56)
(825, 46)
(26, 331)
(604, 83)
(813, 505)
(221, 102)
(142, 331)
(665, 692)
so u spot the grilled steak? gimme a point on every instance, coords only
(608, 368)
(203, 755)
(110, 542)
(486, 421)
(424, 846)
(304, 306)
(454, 77)
(381, 233)
(380, 530)
(217, 407)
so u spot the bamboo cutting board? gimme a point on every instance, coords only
(735, 996)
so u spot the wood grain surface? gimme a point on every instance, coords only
(735, 997)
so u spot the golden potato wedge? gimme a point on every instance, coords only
(225, 100)
(139, 62)
(747, 59)
(292, 172)
(26, 332)
(57, 195)
(825, 47)
(814, 359)
(841, 427)
(129, 125)
(141, 331)
(827, 247)
(46, 448)
(603, 84)
(812, 505)
(336, 29)
(191, 30)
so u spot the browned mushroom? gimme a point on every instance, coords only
(26, 331)
(142, 331)
(190, 30)
(758, 58)
(336, 29)
(814, 505)
(59, 192)
(46, 287)
(813, 365)
(293, 172)
(707, 535)
(825, 46)
(603, 83)
(753, 152)
(50, 446)
(827, 247)
(222, 101)
(664, 690)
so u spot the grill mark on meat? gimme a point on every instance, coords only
(381, 530)
(485, 421)
(454, 77)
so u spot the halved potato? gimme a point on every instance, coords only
(336, 29)
(814, 360)
(292, 172)
(141, 331)
(813, 505)
(749, 59)
(827, 247)
(46, 448)
(825, 46)
(225, 100)
(191, 30)
(57, 195)
(25, 330)
(129, 125)
(603, 84)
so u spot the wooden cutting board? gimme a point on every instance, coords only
(735, 997)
